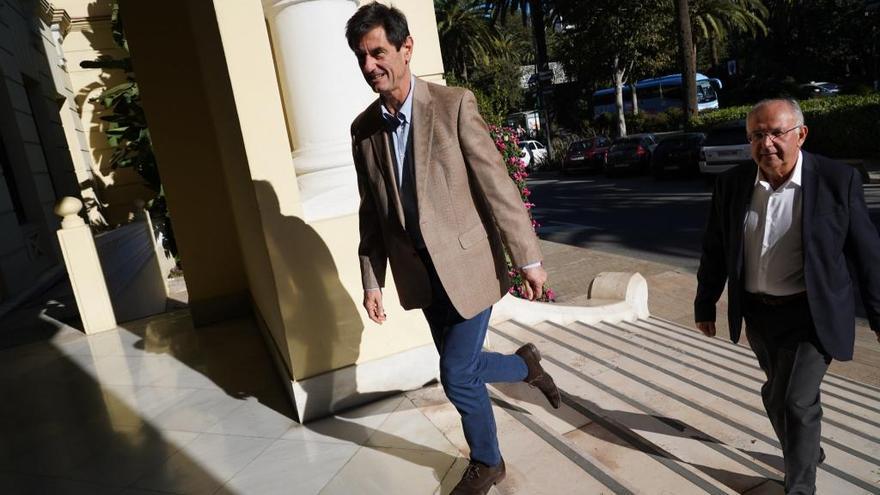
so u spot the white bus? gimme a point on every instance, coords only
(657, 94)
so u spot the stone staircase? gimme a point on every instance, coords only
(652, 407)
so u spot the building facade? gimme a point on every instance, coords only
(249, 106)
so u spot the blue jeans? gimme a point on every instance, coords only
(465, 368)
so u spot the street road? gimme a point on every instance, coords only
(660, 221)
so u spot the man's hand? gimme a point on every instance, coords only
(707, 327)
(373, 305)
(534, 279)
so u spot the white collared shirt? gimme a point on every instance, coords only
(772, 236)
(401, 133)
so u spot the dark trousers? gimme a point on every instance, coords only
(465, 368)
(784, 340)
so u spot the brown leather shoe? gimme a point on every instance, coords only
(537, 376)
(478, 478)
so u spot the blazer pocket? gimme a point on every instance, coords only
(472, 236)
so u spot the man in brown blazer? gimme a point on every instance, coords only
(438, 204)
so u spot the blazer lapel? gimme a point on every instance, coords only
(809, 179)
(423, 137)
(381, 145)
(742, 202)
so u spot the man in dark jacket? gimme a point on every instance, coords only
(784, 234)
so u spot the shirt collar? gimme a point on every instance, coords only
(794, 180)
(405, 113)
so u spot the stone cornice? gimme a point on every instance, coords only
(52, 16)
(275, 6)
(83, 23)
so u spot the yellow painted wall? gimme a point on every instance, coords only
(216, 116)
(89, 38)
(190, 160)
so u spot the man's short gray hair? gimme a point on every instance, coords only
(791, 102)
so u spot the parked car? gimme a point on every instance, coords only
(589, 154)
(631, 153)
(677, 153)
(725, 147)
(817, 90)
(534, 153)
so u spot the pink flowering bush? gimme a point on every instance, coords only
(508, 144)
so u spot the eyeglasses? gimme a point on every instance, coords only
(760, 136)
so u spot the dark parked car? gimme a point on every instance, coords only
(588, 154)
(815, 89)
(677, 153)
(631, 153)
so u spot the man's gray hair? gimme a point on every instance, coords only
(791, 102)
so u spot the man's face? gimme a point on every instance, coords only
(385, 68)
(776, 156)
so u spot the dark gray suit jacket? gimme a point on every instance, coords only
(840, 244)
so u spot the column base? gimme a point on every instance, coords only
(341, 389)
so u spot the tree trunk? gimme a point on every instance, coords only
(537, 13)
(687, 58)
(618, 97)
(713, 51)
(635, 99)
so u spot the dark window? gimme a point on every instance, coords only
(40, 118)
(12, 185)
(725, 137)
(672, 92)
(705, 93)
(606, 99)
(650, 92)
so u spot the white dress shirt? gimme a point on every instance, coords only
(772, 240)
(400, 135)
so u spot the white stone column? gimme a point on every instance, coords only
(323, 91)
(84, 268)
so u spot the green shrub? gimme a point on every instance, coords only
(845, 126)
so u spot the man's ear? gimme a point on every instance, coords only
(407, 48)
(802, 135)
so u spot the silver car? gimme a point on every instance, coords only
(725, 147)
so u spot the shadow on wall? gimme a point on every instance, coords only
(325, 321)
(117, 188)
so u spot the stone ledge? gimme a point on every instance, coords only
(613, 297)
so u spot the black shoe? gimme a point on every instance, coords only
(537, 377)
(478, 478)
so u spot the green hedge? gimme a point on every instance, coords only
(846, 126)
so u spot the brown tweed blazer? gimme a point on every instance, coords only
(467, 204)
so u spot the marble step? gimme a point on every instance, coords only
(654, 386)
(724, 351)
(841, 427)
(600, 420)
(539, 461)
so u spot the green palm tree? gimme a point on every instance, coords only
(714, 19)
(465, 33)
(530, 10)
